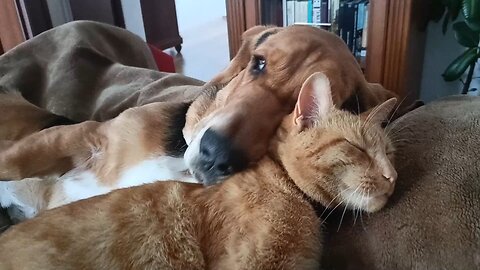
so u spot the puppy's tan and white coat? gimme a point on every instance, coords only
(146, 142)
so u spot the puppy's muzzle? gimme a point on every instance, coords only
(218, 158)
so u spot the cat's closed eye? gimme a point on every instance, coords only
(356, 146)
(345, 163)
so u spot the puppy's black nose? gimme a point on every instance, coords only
(218, 157)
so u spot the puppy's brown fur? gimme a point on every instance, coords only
(292, 54)
(133, 136)
(259, 219)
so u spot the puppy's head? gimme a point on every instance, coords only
(230, 125)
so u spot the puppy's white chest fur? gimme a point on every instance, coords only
(84, 184)
(151, 170)
(30, 196)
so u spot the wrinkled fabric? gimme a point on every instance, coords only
(87, 70)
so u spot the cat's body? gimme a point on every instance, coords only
(259, 219)
(247, 222)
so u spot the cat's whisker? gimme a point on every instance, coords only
(338, 204)
(370, 116)
(361, 212)
(395, 111)
(368, 201)
(401, 140)
(357, 207)
(358, 103)
(390, 129)
(343, 214)
(325, 219)
(391, 132)
(354, 204)
(341, 219)
(326, 207)
(395, 135)
(354, 215)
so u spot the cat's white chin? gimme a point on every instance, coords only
(367, 203)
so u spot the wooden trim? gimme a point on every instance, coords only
(236, 24)
(396, 46)
(11, 31)
(414, 50)
(376, 45)
(241, 15)
(252, 13)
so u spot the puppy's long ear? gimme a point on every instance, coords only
(243, 56)
(314, 100)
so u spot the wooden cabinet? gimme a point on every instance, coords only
(396, 40)
(23, 19)
(161, 25)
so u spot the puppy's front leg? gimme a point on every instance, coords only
(51, 151)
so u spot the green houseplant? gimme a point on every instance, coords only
(467, 33)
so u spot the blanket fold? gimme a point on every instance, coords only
(86, 70)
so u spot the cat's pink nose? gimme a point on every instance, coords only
(391, 176)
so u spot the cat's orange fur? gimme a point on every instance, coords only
(258, 219)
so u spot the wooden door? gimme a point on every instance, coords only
(241, 15)
(396, 45)
(11, 31)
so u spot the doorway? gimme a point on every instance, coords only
(203, 27)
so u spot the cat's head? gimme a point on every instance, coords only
(336, 157)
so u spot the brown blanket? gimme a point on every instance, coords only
(56, 69)
(433, 218)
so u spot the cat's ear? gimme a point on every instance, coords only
(314, 100)
(381, 112)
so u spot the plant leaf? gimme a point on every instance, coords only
(446, 20)
(471, 12)
(465, 35)
(456, 69)
(436, 12)
(454, 7)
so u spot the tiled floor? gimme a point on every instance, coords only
(205, 44)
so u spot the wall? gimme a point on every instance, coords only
(440, 51)
(132, 14)
(191, 13)
(60, 12)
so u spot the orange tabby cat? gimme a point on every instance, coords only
(259, 219)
